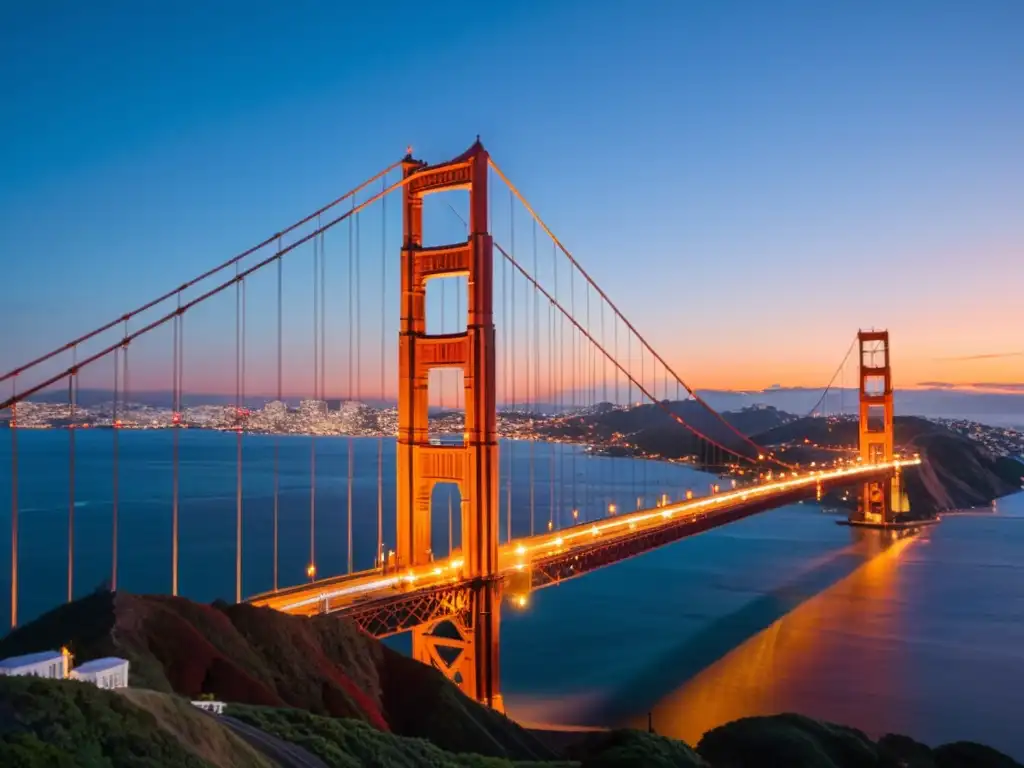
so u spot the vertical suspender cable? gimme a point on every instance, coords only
(551, 395)
(115, 490)
(14, 504)
(512, 352)
(535, 338)
(561, 412)
(311, 568)
(506, 335)
(238, 436)
(380, 438)
(604, 399)
(588, 398)
(280, 401)
(359, 376)
(643, 373)
(629, 400)
(72, 391)
(115, 425)
(125, 415)
(615, 398)
(572, 385)
(351, 382)
(175, 417)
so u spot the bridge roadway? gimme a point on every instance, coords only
(387, 603)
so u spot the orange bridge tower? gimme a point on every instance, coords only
(880, 500)
(463, 646)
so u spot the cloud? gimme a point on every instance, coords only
(1000, 386)
(987, 386)
(988, 356)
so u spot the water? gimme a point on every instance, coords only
(922, 635)
(207, 506)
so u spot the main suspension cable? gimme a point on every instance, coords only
(522, 199)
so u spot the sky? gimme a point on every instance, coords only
(750, 182)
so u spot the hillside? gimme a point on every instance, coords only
(656, 432)
(956, 471)
(335, 697)
(67, 724)
(251, 655)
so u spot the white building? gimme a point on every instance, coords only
(217, 707)
(110, 672)
(52, 664)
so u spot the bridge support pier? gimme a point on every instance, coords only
(465, 647)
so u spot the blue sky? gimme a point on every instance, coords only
(750, 181)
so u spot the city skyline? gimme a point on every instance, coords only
(745, 164)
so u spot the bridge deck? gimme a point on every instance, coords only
(537, 561)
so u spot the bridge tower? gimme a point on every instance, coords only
(464, 647)
(880, 500)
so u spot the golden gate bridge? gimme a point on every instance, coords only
(529, 329)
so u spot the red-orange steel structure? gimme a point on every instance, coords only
(464, 645)
(881, 499)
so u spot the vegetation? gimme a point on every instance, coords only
(796, 741)
(258, 656)
(198, 731)
(344, 698)
(67, 724)
(344, 743)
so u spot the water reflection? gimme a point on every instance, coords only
(830, 655)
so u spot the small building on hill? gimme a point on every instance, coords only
(51, 664)
(109, 672)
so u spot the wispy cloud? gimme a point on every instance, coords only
(987, 356)
(984, 386)
(1002, 387)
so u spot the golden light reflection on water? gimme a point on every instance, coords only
(832, 657)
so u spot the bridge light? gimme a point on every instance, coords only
(558, 541)
(632, 525)
(521, 601)
(594, 530)
(520, 550)
(575, 514)
(437, 571)
(311, 571)
(612, 509)
(551, 524)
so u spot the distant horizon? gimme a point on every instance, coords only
(999, 408)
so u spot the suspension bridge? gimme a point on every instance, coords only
(501, 346)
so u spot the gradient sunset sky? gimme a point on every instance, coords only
(750, 181)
